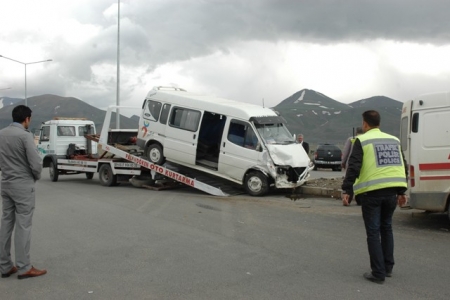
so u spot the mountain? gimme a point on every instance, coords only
(322, 119)
(46, 107)
(311, 100)
(6, 101)
(378, 102)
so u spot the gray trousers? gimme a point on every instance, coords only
(18, 207)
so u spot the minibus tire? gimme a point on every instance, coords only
(154, 153)
(448, 209)
(89, 175)
(106, 176)
(256, 184)
(53, 171)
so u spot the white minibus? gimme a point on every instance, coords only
(240, 142)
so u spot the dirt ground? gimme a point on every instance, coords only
(330, 183)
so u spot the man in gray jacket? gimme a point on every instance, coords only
(20, 166)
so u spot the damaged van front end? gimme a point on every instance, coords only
(286, 161)
(287, 166)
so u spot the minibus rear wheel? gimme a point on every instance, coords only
(256, 184)
(155, 154)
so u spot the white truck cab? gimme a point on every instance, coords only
(56, 135)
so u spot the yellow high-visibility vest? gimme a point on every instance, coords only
(382, 165)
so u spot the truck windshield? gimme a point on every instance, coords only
(275, 133)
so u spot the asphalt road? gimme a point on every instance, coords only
(326, 173)
(127, 243)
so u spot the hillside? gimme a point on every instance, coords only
(324, 120)
(46, 107)
(6, 101)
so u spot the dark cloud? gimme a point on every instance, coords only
(157, 32)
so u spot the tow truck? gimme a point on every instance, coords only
(71, 146)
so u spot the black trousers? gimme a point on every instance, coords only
(377, 213)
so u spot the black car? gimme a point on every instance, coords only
(328, 156)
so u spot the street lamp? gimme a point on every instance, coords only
(25, 64)
(118, 67)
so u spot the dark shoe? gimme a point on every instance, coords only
(389, 273)
(372, 278)
(12, 271)
(32, 273)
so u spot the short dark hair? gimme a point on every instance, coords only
(20, 113)
(372, 118)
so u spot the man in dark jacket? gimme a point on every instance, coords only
(303, 143)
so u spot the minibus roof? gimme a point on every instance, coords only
(212, 104)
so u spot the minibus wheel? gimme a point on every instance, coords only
(256, 184)
(448, 210)
(155, 154)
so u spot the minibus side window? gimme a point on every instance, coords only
(242, 135)
(164, 114)
(154, 108)
(250, 138)
(186, 119)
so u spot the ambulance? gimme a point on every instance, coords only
(425, 141)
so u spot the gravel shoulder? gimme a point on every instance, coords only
(327, 183)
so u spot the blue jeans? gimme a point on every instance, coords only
(377, 213)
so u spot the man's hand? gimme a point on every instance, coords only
(401, 200)
(345, 198)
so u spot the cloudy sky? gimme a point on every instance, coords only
(246, 50)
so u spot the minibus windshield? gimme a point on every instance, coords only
(275, 133)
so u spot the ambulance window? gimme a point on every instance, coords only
(164, 113)
(186, 119)
(45, 133)
(404, 133)
(415, 123)
(154, 108)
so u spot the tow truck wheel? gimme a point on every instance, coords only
(89, 175)
(106, 176)
(155, 154)
(53, 171)
(256, 184)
